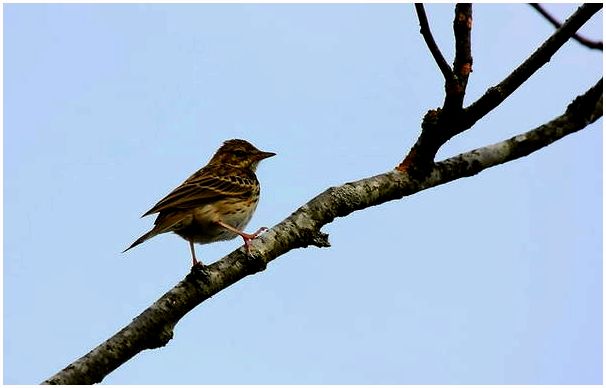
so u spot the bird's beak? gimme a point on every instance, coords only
(264, 155)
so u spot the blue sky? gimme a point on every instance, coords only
(487, 280)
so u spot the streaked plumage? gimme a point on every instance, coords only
(216, 202)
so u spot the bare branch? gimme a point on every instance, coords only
(597, 45)
(495, 95)
(154, 326)
(431, 43)
(442, 124)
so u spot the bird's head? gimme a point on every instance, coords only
(239, 153)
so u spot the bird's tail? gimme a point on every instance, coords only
(142, 239)
(164, 224)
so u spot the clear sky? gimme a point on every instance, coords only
(491, 279)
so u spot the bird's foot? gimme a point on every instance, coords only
(256, 262)
(249, 237)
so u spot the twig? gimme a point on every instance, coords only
(431, 43)
(597, 45)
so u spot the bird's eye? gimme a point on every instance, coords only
(239, 154)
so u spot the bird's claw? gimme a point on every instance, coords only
(259, 232)
(248, 238)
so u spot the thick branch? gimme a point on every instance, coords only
(431, 43)
(495, 95)
(597, 45)
(154, 326)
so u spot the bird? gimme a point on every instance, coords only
(215, 203)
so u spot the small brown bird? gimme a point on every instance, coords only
(216, 202)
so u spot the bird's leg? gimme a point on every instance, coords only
(194, 261)
(245, 236)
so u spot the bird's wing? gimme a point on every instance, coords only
(202, 188)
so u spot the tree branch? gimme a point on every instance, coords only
(431, 43)
(462, 67)
(495, 95)
(442, 124)
(154, 326)
(597, 45)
